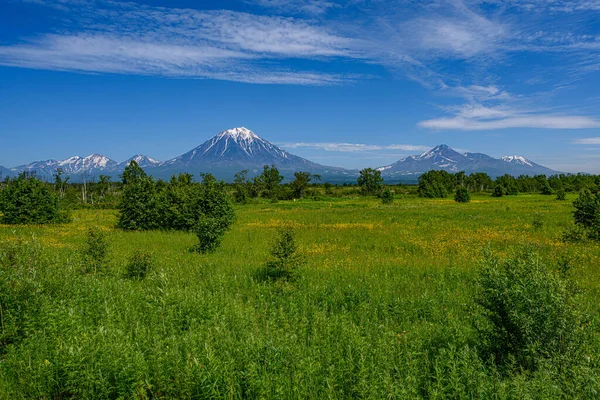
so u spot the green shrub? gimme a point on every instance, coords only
(498, 191)
(285, 259)
(587, 213)
(139, 265)
(138, 208)
(28, 200)
(210, 232)
(538, 222)
(462, 195)
(387, 197)
(370, 181)
(528, 313)
(20, 291)
(574, 234)
(436, 184)
(561, 194)
(95, 252)
(177, 205)
(546, 189)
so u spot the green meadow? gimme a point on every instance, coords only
(382, 307)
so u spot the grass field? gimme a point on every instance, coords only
(382, 307)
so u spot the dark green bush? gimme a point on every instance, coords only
(561, 194)
(546, 189)
(178, 205)
(436, 184)
(528, 313)
(370, 181)
(28, 200)
(20, 292)
(574, 234)
(210, 232)
(538, 222)
(285, 259)
(498, 191)
(139, 265)
(387, 197)
(462, 195)
(95, 252)
(587, 213)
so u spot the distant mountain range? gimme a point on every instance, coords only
(444, 158)
(239, 148)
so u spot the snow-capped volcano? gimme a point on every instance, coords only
(237, 149)
(443, 157)
(237, 145)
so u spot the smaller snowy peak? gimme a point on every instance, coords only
(69, 161)
(97, 160)
(141, 160)
(517, 160)
(238, 134)
(435, 151)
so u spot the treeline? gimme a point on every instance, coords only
(269, 184)
(440, 184)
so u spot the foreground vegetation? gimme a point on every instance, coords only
(388, 302)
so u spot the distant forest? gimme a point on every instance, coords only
(104, 192)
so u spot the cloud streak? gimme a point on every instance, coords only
(587, 141)
(132, 39)
(353, 147)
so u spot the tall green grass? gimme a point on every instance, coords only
(383, 306)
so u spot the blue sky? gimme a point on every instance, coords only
(350, 83)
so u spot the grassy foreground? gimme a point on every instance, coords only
(382, 308)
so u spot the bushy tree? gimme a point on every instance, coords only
(546, 189)
(180, 204)
(436, 184)
(28, 200)
(479, 181)
(284, 259)
(527, 312)
(370, 181)
(242, 187)
(498, 191)
(587, 212)
(387, 197)
(561, 194)
(509, 183)
(138, 209)
(139, 265)
(462, 195)
(95, 252)
(210, 234)
(301, 182)
(216, 214)
(269, 181)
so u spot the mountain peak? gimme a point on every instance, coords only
(517, 160)
(441, 150)
(237, 134)
(142, 160)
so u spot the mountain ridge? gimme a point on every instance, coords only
(236, 149)
(443, 157)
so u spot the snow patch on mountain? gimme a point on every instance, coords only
(517, 159)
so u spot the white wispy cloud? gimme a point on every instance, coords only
(129, 38)
(513, 121)
(353, 147)
(588, 141)
(314, 7)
